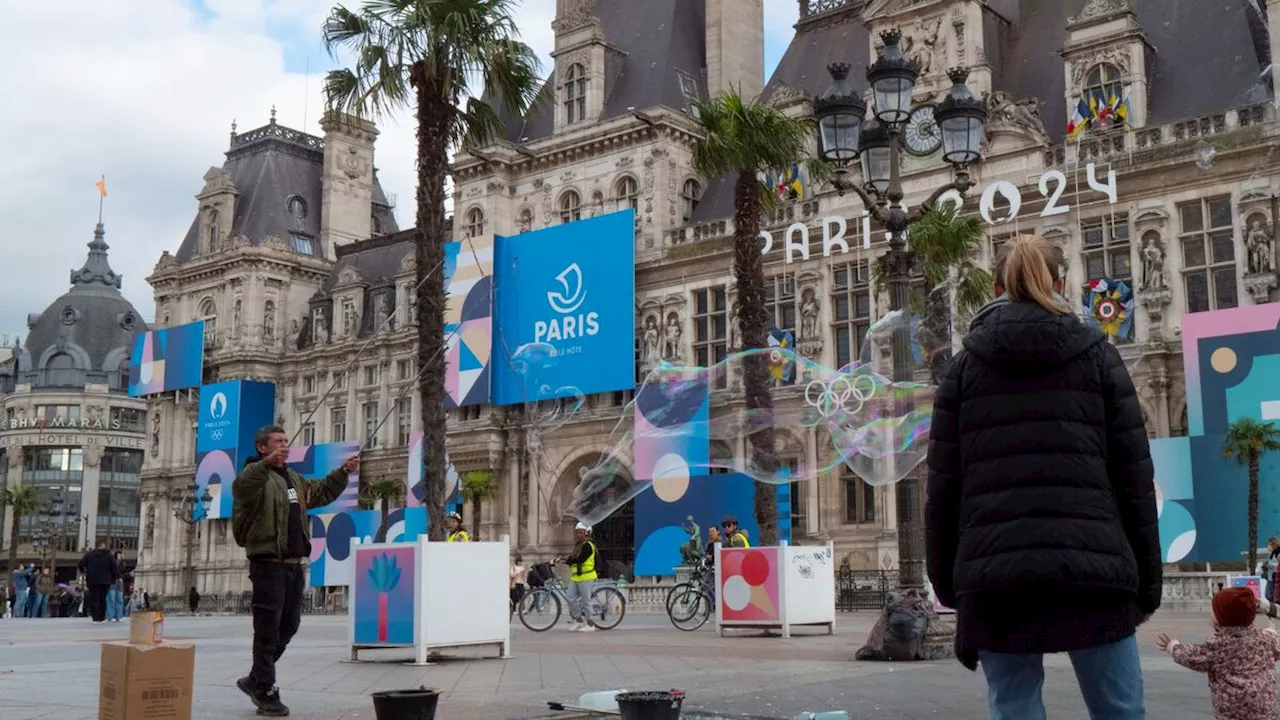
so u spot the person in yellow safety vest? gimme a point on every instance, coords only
(582, 563)
(456, 533)
(737, 538)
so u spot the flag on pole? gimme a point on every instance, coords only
(1120, 108)
(102, 186)
(1079, 120)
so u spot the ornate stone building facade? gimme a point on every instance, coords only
(70, 428)
(1190, 228)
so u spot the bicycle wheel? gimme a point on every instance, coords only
(675, 592)
(539, 610)
(691, 610)
(608, 607)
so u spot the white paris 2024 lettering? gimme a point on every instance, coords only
(1052, 185)
(569, 327)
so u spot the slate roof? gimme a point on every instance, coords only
(268, 166)
(92, 315)
(658, 38)
(1207, 58)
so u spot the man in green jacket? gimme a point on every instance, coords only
(269, 520)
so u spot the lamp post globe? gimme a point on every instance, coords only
(961, 117)
(893, 80)
(877, 165)
(839, 112)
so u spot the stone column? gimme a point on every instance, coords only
(88, 531)
(813, 507)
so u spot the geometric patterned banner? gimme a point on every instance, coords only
(468, 320)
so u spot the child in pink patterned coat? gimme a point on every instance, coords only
(1240, 659)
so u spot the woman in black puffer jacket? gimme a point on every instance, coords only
(1041, 511)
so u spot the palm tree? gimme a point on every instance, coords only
(383, 493)
(23, 500)
(947, 246)
(430, 55)
(745, 140)
(477, 486)
(1247, 441)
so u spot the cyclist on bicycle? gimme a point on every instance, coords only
(737, 538)
(456, 533)
(583, 566)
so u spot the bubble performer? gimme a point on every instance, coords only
(1041, 525)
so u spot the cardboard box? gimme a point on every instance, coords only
(146, 628)
(146, 682)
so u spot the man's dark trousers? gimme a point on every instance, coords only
(277, 612)
(98, 602)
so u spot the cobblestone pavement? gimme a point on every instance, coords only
(49, 668)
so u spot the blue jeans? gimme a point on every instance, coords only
(19, 603)
(115, 603)
(1110, 678)
(39, 604)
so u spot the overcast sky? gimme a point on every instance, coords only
(144, 91)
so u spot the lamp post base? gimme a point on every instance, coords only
(924, 635)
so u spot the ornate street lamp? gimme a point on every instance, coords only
(960, 117)
(840, 111)
(190, 509)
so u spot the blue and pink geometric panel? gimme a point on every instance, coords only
(468, 320)
(167, 359)
(332, 535)
(314, 462)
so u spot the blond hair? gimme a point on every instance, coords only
(1028, 266)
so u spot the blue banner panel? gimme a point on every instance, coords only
(707, 499)
(167, 359)
(565, 310)
(231, 413)
(314, 462)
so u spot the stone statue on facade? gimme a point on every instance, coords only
(1022, 114)
(155, 433)
(349, 327)
(735, 330)
(926, 47)
(383, 314)
(1152, 265)
(691, 552)
(149, 538)
(671, 337)
(808, 314)
(235, 318)
(1258, 245)
(649, 351)
(320, 331)
(269, 322)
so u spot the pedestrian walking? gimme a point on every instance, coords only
(21, 589)
(1040, 510)
(115, 594)
(582, 565)
(100, 572)
(269, 521)
(45, 585)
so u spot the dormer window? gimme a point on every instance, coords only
(1104, 85)
(575, 94)
(215, 231)
(570, 206)
(627, 193)
(303, 244)
(475, 223)
(691, 195)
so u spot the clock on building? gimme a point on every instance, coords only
(922, 136)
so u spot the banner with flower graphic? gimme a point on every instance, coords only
(1109, 304)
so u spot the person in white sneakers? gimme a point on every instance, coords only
(582, 565)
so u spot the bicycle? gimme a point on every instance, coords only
(689, 604)
(606, 606)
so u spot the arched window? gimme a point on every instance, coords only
(627, 193)
(215, 231)
(61, 371)
(297, 207)
(1103, 85)
(525, 220)
(575, 94)
(475, 223)
(570, 206)
(209, 313)
(691, 195)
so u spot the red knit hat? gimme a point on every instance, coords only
(1235, 607)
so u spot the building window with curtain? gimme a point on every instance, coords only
(338, 425)
(570, 206)
(710, 330)
(404, 421)
(850, 310)
(627, 193)
(308, 432)
(370, 411)
(691, 195)
(859, 499)
(475, 223)
(575, 94)
(1208, 254)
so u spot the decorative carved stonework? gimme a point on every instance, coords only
(809, 343)
(1258, 245)
(573, 14)
(1019, 116)
(672, 331)
(1095, 9)
(735, 327)
(92, 455)
(784, 95)
(155, 433)
(624, 162)
(1259, 286)
(1154, 301)
(1113, 55)
(1153, 273)
(353, 164)
(650, 340)
(15, 458)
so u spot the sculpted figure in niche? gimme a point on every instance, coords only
(1258, 244)
(320, 329)
(671, 336)
(235, 318)
(150, 537)
(155, 433)
(1152, 264)
(348, 319)
(383, 315)
(927, 47)
(808, 314)
(269, 321)
(650, 340)
(735, 331)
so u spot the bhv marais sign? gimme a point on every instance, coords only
(1052, 186)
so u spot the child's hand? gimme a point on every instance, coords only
(1163, 641)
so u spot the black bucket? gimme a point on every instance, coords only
(650, 705)
(417, 704)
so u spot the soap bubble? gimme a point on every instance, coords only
(686, 422)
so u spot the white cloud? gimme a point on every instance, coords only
(145, 92)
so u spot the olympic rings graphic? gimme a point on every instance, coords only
(841, 394)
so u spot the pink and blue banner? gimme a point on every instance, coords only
(382, 601)
(167, 359)
(231, 413)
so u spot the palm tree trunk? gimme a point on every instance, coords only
(1253, 513)
(434, 117)
(753, 321)
(477, 509)
(381, 535)
(13, 542)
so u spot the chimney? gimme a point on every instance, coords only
(735, 46)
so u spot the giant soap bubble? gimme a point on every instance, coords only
(686, 422)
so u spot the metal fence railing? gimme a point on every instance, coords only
(863, 589)
(313, 603)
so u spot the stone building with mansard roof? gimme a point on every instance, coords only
(278, 255)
